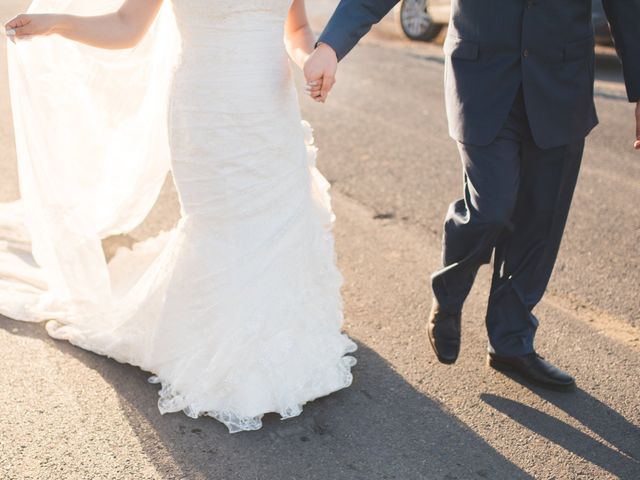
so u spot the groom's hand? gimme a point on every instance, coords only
(320, 72)
(636, 145)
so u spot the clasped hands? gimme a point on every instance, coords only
(320, 72)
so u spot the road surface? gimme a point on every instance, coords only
(67, 413)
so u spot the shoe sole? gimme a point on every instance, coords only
(446, 361)
(505, 368)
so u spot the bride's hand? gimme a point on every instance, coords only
(25, 26)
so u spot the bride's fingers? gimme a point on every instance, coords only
(313, 92)
(19, 27)
(316, 95)
(313, 87)
(17, 22)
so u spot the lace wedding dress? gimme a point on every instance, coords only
(236, 311)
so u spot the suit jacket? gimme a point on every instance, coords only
(495, 46)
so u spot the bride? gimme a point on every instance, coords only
(236, 311)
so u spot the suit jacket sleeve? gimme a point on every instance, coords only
(351, 21)
(624, 19)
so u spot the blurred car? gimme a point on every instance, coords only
(424, 19)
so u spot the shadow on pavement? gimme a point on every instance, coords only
(379, 428)
(593, 414)
(602, 420)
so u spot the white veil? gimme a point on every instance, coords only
(92, 150)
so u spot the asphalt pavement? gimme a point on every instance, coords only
(66, 413)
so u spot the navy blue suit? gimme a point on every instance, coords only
(519, 78)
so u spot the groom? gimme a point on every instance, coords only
(519, 99)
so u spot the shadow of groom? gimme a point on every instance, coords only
(622, 460)
(379, 428)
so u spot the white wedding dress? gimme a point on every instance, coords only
(236, 311)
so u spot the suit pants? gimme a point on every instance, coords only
(515, 206)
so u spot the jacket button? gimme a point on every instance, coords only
(525, 52)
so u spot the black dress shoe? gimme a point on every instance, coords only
(535, 369)
(443, 330)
